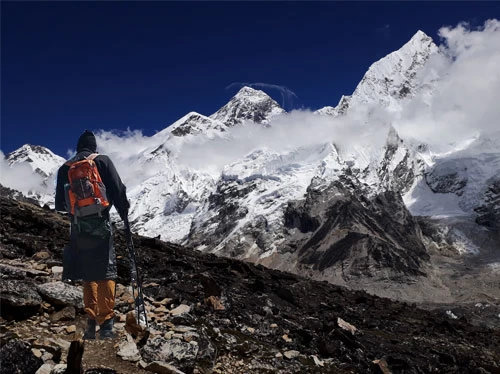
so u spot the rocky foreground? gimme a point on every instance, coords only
(216, 315)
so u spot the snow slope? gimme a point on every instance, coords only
(43, 164)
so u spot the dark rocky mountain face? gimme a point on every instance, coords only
(13, 156)
(214, 314)
(489, 209)
(358, 236)
(195, 123)
(225, 203)
(344, 233)
(16, 195)
(402, 177)
(446, 179)
(334, 229)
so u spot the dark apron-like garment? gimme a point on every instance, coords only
(90, 254)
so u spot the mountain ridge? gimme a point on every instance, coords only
(243, 209)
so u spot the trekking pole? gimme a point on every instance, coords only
(135, 280)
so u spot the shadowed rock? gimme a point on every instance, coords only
(17, 357)
(19, 299)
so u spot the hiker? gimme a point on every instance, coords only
(90, 254)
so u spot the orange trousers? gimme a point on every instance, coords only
(99, 299)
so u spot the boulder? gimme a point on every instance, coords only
(16, 357)
(66, 314)
(127, 350)
(60, 293)
(180, 310)
(161, 349)
(19, 299)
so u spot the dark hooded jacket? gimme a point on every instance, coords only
(90, 254)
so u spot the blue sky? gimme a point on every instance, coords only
(68, 66)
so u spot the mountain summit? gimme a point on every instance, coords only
(44, 165)
(395, 76)
(391, 79)
(42, 160)
(248, 104)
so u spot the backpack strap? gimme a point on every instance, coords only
(92, 156)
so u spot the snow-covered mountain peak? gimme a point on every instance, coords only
(394, 77)
(44, 165)
(26, 150)
(391, 79)
(420, 37)
(41, 159)
(248, 104)
(340, 109)
(251, 94)
(192, 123)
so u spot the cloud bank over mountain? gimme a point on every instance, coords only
(19, 177)
(464, 101)
(462, 104)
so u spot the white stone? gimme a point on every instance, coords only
(63, 344)
(287, 338)
(317, 361)
(44, 369)
(56, 270)
(161, 349)
(291, 354)
(346, 326)
(128, 351)
(59, 369)
(181, 309)
(161, 367)
(184, 328)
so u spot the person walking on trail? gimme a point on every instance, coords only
(90, 254)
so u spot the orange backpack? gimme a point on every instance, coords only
(85, 192)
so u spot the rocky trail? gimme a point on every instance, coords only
(211, 314)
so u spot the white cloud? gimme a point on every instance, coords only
(463, 103)
(287, 132)
(465, 99)
(19, 177)
(123, 149)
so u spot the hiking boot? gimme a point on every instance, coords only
(106, 331)
(89, 333)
